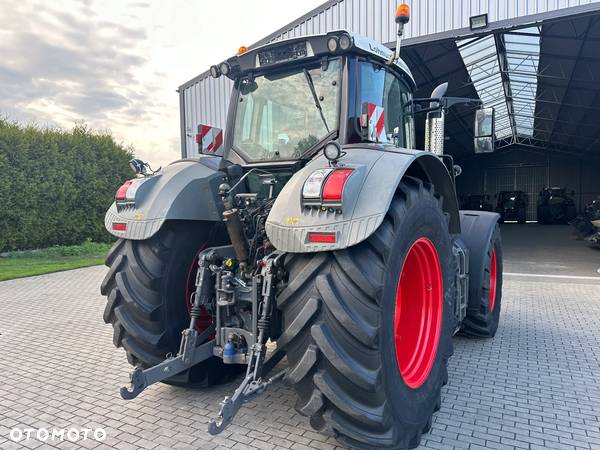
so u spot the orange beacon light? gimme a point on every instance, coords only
(403, 13)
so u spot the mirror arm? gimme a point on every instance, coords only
(444, 102)
(449, 102)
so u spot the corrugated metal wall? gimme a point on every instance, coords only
(205, 100)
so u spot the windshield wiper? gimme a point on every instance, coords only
(311, 85)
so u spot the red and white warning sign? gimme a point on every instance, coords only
(209, 140)
(373, 119)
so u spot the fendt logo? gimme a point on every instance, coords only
(377, 49)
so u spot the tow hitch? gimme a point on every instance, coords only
(189, 355)
(253, 383)
(191, 352)
(246, 392)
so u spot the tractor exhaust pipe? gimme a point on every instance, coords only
(435, 122)
(434, 132)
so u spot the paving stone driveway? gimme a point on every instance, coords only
(536, 385)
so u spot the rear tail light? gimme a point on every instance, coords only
(122, 191)
(322, 238)
(334, 185)
(325, 185)
(126, 193)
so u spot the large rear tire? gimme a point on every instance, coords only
(363, 369)
(146, 286)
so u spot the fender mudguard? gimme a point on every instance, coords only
(477, 229)
(367, 195)
(184, 190)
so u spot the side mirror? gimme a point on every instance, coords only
(484, 130)
(209, 140)
(439, 91)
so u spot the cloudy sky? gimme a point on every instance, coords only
(115, 64)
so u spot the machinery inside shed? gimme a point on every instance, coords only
(541, 74)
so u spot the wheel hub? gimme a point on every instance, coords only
(418, 312)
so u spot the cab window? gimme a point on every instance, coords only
(384, 88)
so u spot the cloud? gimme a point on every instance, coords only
(116, 64)
(62, 67)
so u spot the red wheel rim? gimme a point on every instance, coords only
(418, 312)
(204, 320)
(493, 280)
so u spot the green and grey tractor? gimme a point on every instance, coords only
(311, 229)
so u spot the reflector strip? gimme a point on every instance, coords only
(375, 123)
(322, 238)
(211, 138)
(334, 185)
(119, 226)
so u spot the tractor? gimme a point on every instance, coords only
(314, 225)
(512, 205)
(555, 205)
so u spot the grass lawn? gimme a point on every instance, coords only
(54, 259)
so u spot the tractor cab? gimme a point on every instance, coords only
(290, 98)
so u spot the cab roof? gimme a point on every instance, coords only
(312, 47)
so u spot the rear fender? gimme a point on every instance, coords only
(184, 190)
(367, 196)
(477, 230)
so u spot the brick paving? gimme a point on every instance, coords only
(536, 385)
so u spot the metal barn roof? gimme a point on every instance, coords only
(542, 78)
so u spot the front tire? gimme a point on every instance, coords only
(348, 334)
(146, 288)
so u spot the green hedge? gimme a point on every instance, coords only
(55, 186)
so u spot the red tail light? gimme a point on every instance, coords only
(122, 191)
(334, 185)
(322, 238)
